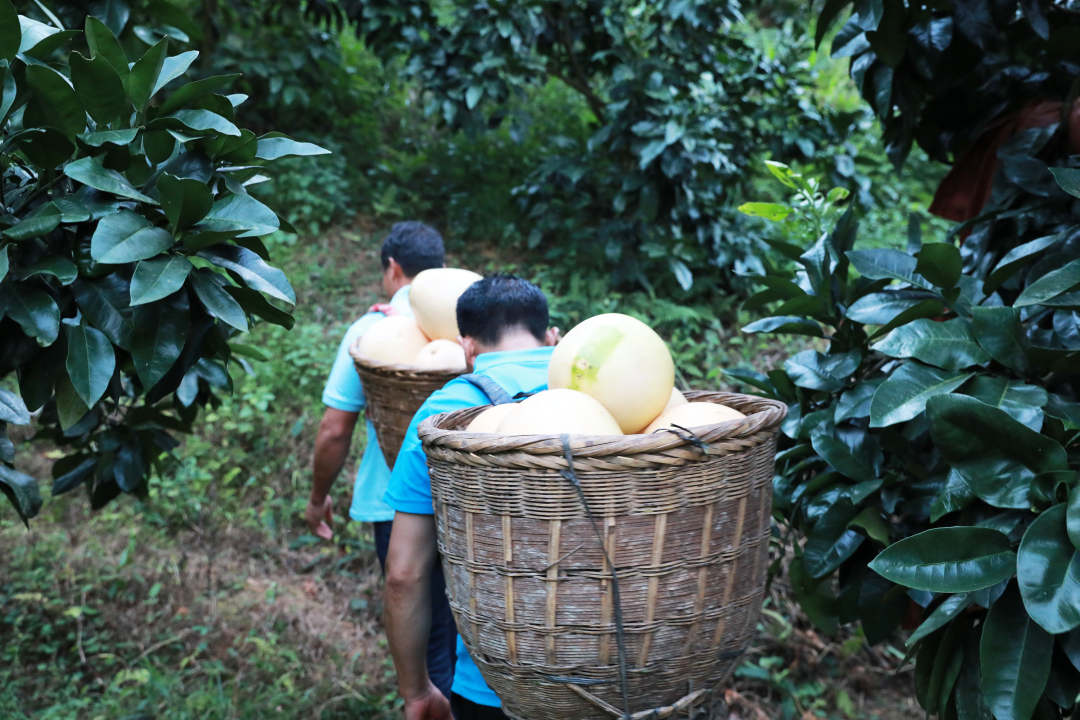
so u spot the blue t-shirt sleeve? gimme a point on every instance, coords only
(343, 390)
(410, 484)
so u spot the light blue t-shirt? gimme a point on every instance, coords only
(410, 484)
(343, 391)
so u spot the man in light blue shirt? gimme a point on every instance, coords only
(409, 248)
(503, 322)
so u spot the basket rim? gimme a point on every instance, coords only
(438, 432)
(400, 369)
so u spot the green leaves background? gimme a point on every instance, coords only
(124, 251)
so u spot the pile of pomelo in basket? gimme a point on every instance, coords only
(611, 375)
(428, 340)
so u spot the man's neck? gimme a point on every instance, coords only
(513, 340)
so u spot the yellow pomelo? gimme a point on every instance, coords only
(554, 412)
(621, 362)
(676, 399)
(488, 421)
(433, 297)
(394, 340)
(441, 355)
(693, 415)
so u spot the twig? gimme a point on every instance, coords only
(157, 646)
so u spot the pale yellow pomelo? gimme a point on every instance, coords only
(621, 362)
(433, 297)
(394, 340)
(693, 415)
(488, 421)
(441, 355)
(676, 399)
(554, 412)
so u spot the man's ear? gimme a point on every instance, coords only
(396, 272)
(469, 346)
(552, 336)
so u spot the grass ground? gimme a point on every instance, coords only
(210, 600)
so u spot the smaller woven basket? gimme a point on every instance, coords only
(666, 567)
(393, 394)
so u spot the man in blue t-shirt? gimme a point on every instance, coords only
(409, 248)
(503, 322)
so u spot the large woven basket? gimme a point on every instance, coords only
(393, 394)
(685, 522)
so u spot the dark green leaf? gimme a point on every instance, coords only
(998, 332)
(810, 369)
(881, 308)
(8, 92)
(90, 362)
(949, 560)
(943, 613)
(22, 491)
(4, 263)
(42, 221)
(956, 495)
(100, 310)
(1017, 258)
(142, 79)
(56, 265)
(115, 137)
(785, 324)
(1062, 409)
(193, 91)
(158, 278)
(1048, 572)
(10, 33)
(126, 237)
(204, 120)
(160, 333)
(857, 465)
(870, 520)
(51, 89)
(90, 171)
(172, 68)
(74, 477)
(103, 43)
(1072, 517)
(949, 345)
(831, 542)
(1068, 179)
(1050, 285)
(855, 403)
(185, 201)
(99, 88)
(254, 303)
(35, 311)
(1015, 659)
(1023, 402)
(241, 213)
(217, 302)
(255, 273)
(682, 273)
(34, 33)
(905, 392)
(69, 406)
(274, 147)
(939, 263)
(13, 409)
(887, 264)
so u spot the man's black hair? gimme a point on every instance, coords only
(497, 303)
(415, 246)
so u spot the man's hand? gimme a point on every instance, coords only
(432, 705)
(385, 308)
(319, 518)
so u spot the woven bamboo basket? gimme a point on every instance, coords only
(393, 394)
(539, 600)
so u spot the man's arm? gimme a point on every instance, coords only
(331, 450)
(409, 562)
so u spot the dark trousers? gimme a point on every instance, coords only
(468, 710)
(442, 643)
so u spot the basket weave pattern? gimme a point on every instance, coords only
(393, 394)
(531, 590)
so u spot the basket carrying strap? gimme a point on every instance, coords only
(495, 392)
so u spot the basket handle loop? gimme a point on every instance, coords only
(653, 714)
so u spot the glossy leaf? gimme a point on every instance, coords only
(90, 362)
(904, 394)
(815, 371)
(939, 263)
(103, 43)
(72, 478)
(889, 264)
(243, 214)
(90, 171)
(184, 200)
(1048, 573)
(272, 147)
(204, 121)
(1072, 516)
(95, 303)
(35, 311)
(883, 307)
(22, 491)
(998, 332)
(949, 345)
(785, 324)
(217, 302)
(943, 613)
(1068, 179)
(158, 278)
(172, 68)
(192, 91)
(250, 268)
(949, 560)
(10, 32)
(4, 262)
(1015, 659)
(13, 409)
(55, 266)
(51, 89)
(1022, 402)
(115, 137)
(1017, 258)
(1050, 285)
(99, 88)
(42, 221)
(144, 74)
(160, 333)
(831, 541)
(126, 237)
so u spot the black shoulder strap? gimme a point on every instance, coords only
(495, 392)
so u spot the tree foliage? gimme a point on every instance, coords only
(931, 452)
(677, 105)
(130, 251)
